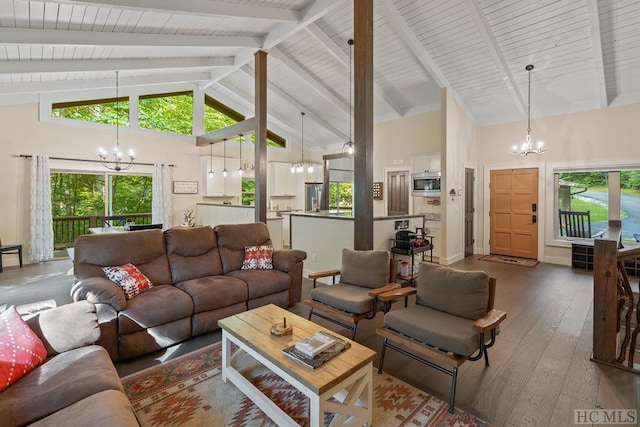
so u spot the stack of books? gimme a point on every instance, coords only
(315, 350)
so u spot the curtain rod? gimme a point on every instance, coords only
(28, 156)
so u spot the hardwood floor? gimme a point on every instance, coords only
(540, 369)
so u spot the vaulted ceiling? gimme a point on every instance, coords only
(586, 55)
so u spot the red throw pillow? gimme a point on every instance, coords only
(20, 348)
(129, 278)
(258, 258)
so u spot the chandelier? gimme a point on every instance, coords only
(299, 167)
(349, 146)
(526, 147)
(117, 164)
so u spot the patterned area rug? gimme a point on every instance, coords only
(189, 391)
(504, 259)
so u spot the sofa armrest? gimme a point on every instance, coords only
(286, 259)
(490, 321)
(66, 327)
(99, 290)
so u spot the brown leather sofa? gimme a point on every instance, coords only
(76, 385)
(197, 280)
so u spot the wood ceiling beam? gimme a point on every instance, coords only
(22, 36)
(71, 66)
(310, 80)
(278, 120)
(313, 12)
(228, 133)
(482, 25)
(404, 32)
(596, 42)
(209, 8)
(335, 50)
(298, 105)
(310, 14)
(98, 84)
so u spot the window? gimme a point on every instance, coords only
(96, 110)
(341, 196)
(170, 112)
(78, 199)
(585, 191)
(167, 112)
(599, 193)
(217, 115)
(248, 192)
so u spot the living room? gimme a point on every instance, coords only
(582, 135)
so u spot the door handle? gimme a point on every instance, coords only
(534, 218)
(534, 207)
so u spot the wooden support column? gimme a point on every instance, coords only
(363, 124)
(261, 136)
(605, 296)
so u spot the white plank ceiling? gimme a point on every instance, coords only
(586, 55)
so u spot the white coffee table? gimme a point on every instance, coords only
(342, 386)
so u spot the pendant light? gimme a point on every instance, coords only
(349, 146)
(526, 147)
(224, 171)
(116, 164)
(211, 160)
(299, 167)
(240, 169)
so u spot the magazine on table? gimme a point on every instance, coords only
(329, 345)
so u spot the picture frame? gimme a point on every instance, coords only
(185, 187)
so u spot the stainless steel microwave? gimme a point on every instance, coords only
(425, 184)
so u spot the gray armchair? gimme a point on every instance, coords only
(363, 276)
(452, 321)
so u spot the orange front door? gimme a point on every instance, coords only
(513, 212)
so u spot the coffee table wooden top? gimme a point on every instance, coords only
(253, 329)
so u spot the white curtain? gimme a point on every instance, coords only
(41, 223)
(161, 197)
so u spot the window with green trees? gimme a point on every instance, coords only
(170, 112)
(78, 198)
(96, 110)
(591, 191)
(248, 191)
(341, 196)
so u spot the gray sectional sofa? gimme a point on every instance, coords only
(197, 280)
(77, 384)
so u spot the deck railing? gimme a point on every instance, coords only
(67, 228)
(615, 330)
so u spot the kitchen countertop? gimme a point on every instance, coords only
(335, 215)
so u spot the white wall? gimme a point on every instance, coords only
(459, 152)
(24, 133)
(604, 136)
(395, 141)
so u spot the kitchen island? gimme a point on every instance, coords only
(323, 235)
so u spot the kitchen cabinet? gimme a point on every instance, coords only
(218, 185)
(426, 162)
(280, 180)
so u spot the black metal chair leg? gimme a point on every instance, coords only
(355, 328)
(310, 313)
(452, 400)
(384, 348)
